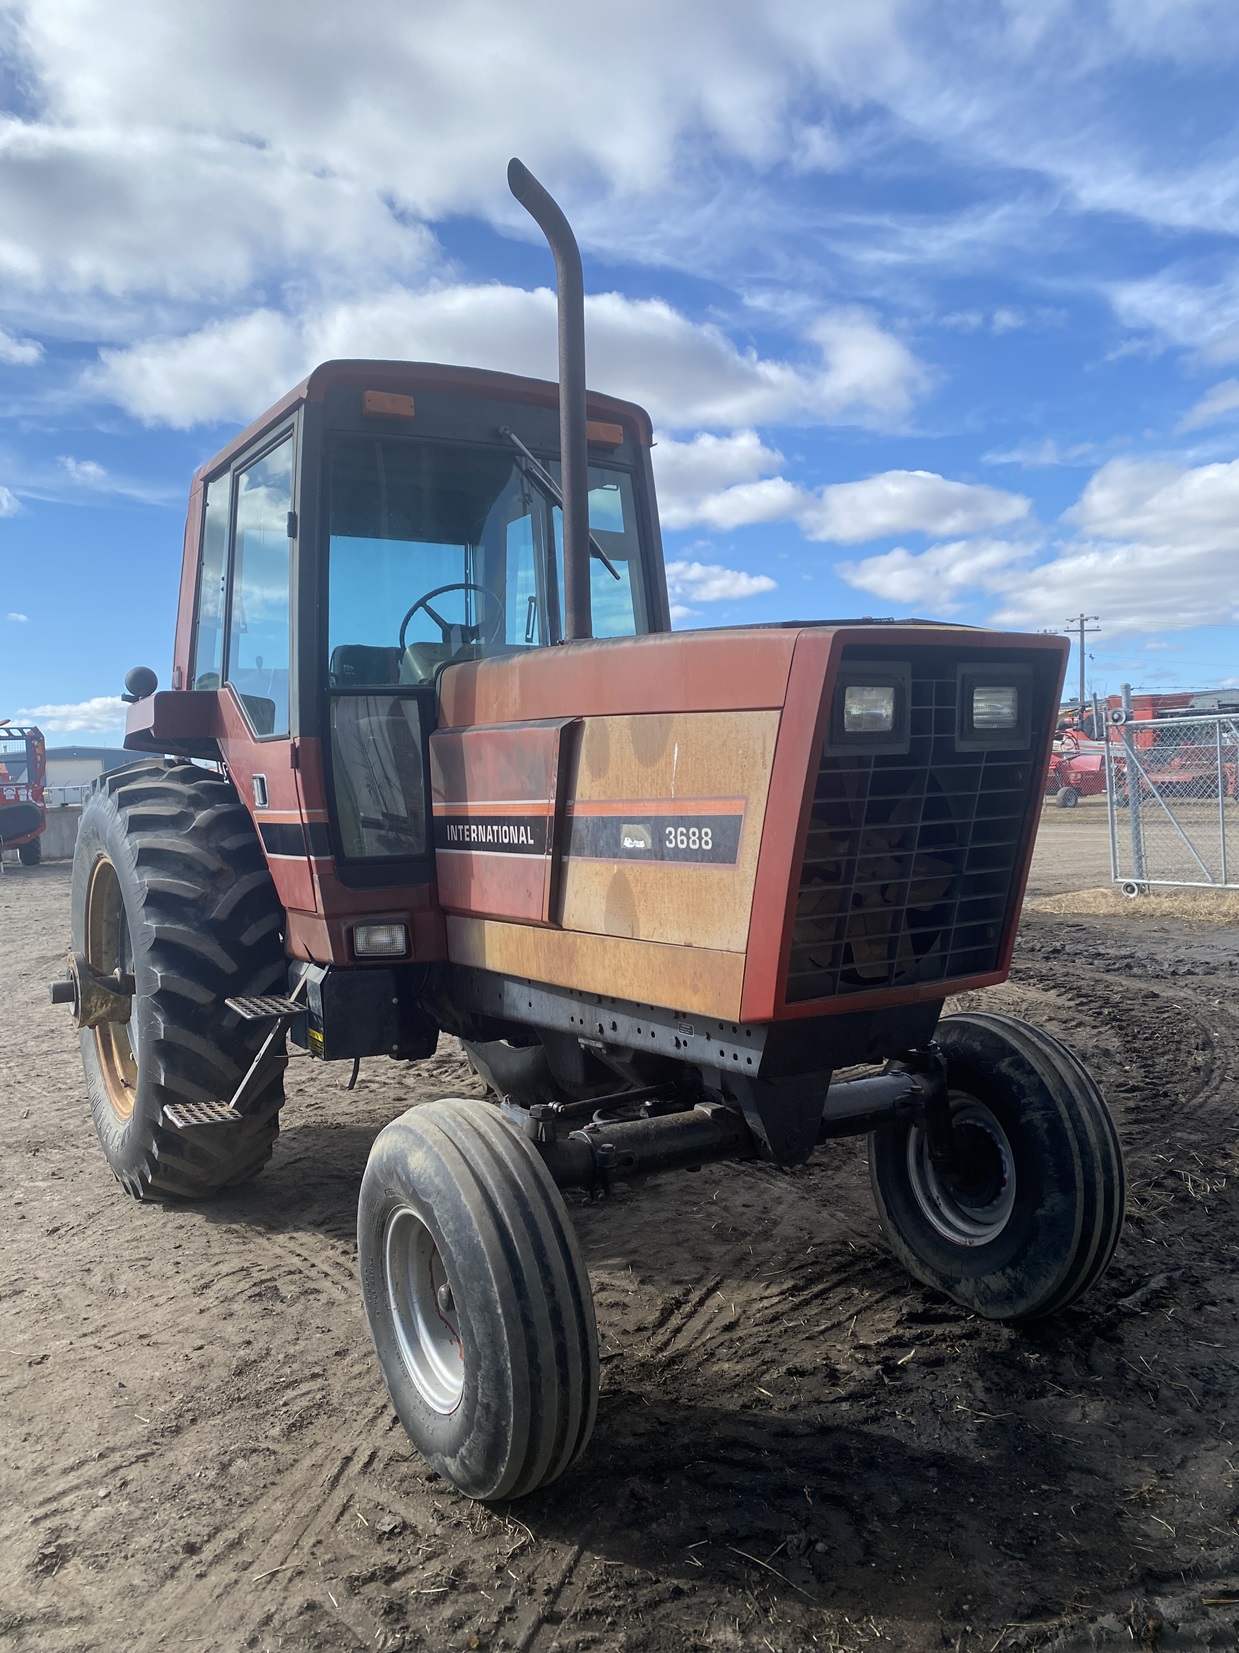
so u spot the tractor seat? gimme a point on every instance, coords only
(364, 666)
(422, 660)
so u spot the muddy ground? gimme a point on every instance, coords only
(796, 1447)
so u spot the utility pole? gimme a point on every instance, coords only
(1081, 629)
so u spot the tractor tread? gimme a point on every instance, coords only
(210, 924)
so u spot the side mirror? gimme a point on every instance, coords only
(140, 682)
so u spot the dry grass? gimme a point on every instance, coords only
(1192, 906)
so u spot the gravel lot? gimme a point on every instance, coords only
(796, 1447)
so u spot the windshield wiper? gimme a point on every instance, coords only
(549, 486)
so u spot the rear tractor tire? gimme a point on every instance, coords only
(170, 885)
(32, 853)
(477, 1298)
(1027, 1217)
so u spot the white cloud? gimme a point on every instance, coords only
(9, 503)
(772, 500)
(687, 473)
(104, 714)
(86, 471)
(16, 352)
(699, 582)
(1160, 503)
(687, 373)
(901, 502)
(210, 153)
(182, 213)
(941, 577)
(893, 502)
(1150, 546)
(21, 619)
(1212, 406)
(1034, 455)
(193, 153)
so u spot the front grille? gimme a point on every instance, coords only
(910, 857)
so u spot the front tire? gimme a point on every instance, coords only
(477, 1299)
(1066, 797)
(170, 884)
(1027, 1218)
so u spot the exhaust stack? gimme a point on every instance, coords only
(573, 447)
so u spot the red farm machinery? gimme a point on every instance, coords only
(23, 778)
(433, 762)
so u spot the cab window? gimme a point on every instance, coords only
(441, 552)
(209, 629)
(258, 623)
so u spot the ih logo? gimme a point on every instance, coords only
(636, 837)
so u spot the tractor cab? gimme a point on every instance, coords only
(381, 524)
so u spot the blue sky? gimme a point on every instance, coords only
(935, 306)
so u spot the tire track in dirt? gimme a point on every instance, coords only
(310, 1497)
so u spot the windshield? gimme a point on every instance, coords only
(441, 552)
(15, 762)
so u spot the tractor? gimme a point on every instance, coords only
(23, 777)
(433, 761)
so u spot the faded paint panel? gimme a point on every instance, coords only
(496, 799)
(696, 785)
(697, 980)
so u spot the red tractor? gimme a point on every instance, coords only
(433, 761)
(23, 775)
(1077, 769)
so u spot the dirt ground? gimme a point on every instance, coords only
(796, 1448)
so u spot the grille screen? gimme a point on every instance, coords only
(910, 857)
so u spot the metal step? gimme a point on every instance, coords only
(184, 1114)
(265, 1007)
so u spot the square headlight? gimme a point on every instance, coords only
(868, 708)
(995, 706)
(380, 941)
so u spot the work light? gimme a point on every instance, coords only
(995, 706)
(380, 941)
(868, 708)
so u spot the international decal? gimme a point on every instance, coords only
(492, 834)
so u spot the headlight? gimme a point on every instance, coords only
(380, 941)
(995, 706)
(868, 709)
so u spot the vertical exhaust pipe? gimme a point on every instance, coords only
(573, 446)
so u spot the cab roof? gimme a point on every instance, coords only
(411, 377)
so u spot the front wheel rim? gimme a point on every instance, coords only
(423, 1311)
(970, 1202)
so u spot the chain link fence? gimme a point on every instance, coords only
(1173, 792)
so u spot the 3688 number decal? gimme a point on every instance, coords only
(688, 837)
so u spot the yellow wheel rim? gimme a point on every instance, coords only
(108, 948)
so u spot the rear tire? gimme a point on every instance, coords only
(32, 853)
(1029, 1218)
(477, 1298)
(170, 883)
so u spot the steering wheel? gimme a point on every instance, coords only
(457, 635)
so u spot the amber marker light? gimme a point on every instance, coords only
(385, 404)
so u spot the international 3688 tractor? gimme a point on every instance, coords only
(433, 761)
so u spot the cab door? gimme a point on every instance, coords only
(242, 644)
